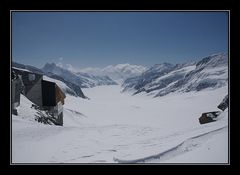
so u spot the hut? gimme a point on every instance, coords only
(32, 85)
(47, 95)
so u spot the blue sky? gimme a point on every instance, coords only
(98, 39)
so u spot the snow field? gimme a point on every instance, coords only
(116, 127)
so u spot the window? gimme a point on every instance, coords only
(31, 77)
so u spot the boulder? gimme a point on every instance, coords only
(208, 117)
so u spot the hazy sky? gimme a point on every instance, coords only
(98, 39)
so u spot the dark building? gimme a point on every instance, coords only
(32, 85)
(53, 99)
(212, 116)
(209, 117)
(17, 87)
(45, 94)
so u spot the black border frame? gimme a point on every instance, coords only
(82, 11)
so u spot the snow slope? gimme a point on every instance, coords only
(114, 127)
(212, 149)
(161, 79)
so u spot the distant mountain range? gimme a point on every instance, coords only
(162, 79)
(67, 86)
(83, 80)
(118, 72)
(158, 80)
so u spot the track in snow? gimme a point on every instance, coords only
(187, 145)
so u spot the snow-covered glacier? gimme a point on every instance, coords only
(131, 127)
(114, 127)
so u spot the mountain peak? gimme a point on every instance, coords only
(210, 72)
(214, 60)
(50, 64)
(163, 65)
(117, 72)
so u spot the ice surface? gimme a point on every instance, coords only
(115, 127)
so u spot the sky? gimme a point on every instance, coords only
(98, 39)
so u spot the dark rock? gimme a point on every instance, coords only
(209, 117)
(224, 104)
(14, 111)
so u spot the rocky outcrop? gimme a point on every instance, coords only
(209, 117)
(213, 116)
(224, 104)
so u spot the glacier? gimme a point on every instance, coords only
(116, 127)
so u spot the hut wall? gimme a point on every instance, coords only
(60, 96)
(35, 93)
(60, 119)
(48, 93)
(32, 85)
(13, 97)
(16, 90)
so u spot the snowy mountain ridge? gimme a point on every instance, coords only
(66, 86)
(162, 79)
(158, 80)
(83, 80)
(118, 72)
